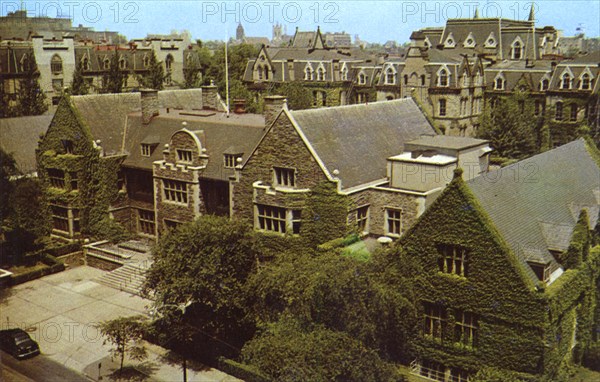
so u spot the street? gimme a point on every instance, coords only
(39, 368)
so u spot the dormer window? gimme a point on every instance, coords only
(586, 82)
(469, 41)
(321, 73)
(184, 156)
(67, 145)
(362, 78)
(544, 84)
(344, 73)
(517, 49)
(542, 271)
(146, 150)
(443, 77)
(285, 177)
(565, 81)
(308, 73)
(450, 41)
(231, 160)
(491, 42)
(390, 76)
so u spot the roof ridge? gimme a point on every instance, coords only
(399, 100)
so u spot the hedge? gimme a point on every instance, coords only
(242, 371)
(52, 265)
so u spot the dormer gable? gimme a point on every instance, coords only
(586, 79)
(470, 41)
(450, 41)
(491, 41)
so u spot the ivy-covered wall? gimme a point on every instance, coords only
(520, 328)
(69, 146)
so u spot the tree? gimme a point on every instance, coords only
(8, 168)
(113, 80)
(6, 111)
(298, 96)
(206, 263)
(155, 76)
(79, 86)
(125, 334)
(511, 126)
(290, 351)
(341, 294)
(31, 100)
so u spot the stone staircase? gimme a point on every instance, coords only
(128, 278)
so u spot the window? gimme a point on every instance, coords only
(478, 79)
(574, 111)
(542, 271)
(60, 218)
(231, 160)
(559, 111)
(308, 74)
(442, 107)
(565, 82)
(362, 78)
(175, 191)
(362, 219)
(537, 107)
(146, 61)
(434, 322)
(122, 64)
(516, 50)
(146, 150)
(466, 80)
(296, 221)
(393, 221)
(321, 74)
(406, 79)
(146, 223)
(259, 72)
(266, 71)
(171, 224)
(443, 77)
(284, 176)
(56, 64)
(390, 76)
(169, 63)
(585, 82)
(184, 156)
(106, 63)
(85, 64)
(452, 259)
(344, 73)
(422, 80)
(67, 145)
(465, 328)
(74, 181)
(499, 83)
(56, 178)
(271, 218)
(544, 84)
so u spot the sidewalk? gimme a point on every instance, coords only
(60, 312)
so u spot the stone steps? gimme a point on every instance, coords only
(128, 278)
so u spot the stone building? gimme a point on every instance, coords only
(509, 283)
(332, 74)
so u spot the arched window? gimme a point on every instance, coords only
(516, 50)
(565, 81)
(442, 107)
(499, 83)
(362, 78)
(406, 79)
(390, 76)
(321, 74)
(146, 61)
(559, 111)
(422, 80)
(122, 63)
(466, 80)
(585, 82)
(106, 64)
(308, 73)
(544, 84)
(443, 77)
(344, 73)
(266, 70)
(56, 64)
(259, 72)
(169, 63)
(85, 64)
(574, 111)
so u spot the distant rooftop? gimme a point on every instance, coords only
(446, 142)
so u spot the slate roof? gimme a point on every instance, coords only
(218, 134)
(446, 142)
(20, 136)
(532, 202)
(107, 114)
(357, 139)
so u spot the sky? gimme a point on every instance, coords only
(372, 21)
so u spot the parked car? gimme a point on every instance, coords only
(18, 343)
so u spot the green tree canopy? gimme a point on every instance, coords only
(31, 100)
(113, 80)
(154, 76)
(511, 126)
(125, 335)
(298, 96)
(288, 350)
(78, 85)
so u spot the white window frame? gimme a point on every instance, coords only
(440, 72)
(175, 191)
(393, 224)
(185, 155)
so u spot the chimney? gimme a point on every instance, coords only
(239, 106)
(209, 96)
(272, 106)
(149, 105)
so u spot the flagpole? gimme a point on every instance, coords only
(226, 76)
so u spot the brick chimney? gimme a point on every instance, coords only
(209, 97)
(272, 106)
(149, 105)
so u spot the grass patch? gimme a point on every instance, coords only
(357, 251)
(20, 269)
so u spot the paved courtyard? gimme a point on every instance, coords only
(60, 312)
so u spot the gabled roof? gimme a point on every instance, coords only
(19, 137)
(356, 140)
(106, 114)
(531, 202)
